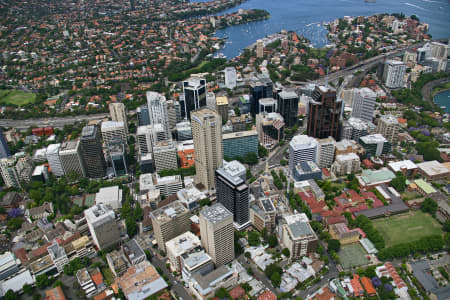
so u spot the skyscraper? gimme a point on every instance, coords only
(270, 129)
(143, 115)
(394, 73)
(112, 130)
(354, 128)
(102, 226)
(217, 233)
(325, 156)
(194, 90)
(207, 136)
(92, 152)
(324, 114)
(388, 126)
(230, 77)
(259, 48)
(53, 159)
(165, 155)
(147, 136)
(363, 104)
(302, 148)
(261, 87)
(118, 113)
(174, 113)
(157, 109)
(288, 107)
(71, 158)
(4, 149)
(232, 192)
(117, 154)
(169, 222)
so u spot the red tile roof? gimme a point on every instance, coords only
(237, 293)
(267, 295)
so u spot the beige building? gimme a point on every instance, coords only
(222, 107)
(388, 126)
(217, 233)
(298, 236)
(208, 151)
(118, 113)
(346, 164)
(169, 222)
(259, 48)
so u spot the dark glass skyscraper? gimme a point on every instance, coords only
(92, 153)
(324, 114)
(261, 88)
(288, 107)
(194, 90)
(4, 149)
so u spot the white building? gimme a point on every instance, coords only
(118, 113)
(54, 160)
(110, 196)
(157, 109)
(354, 128)
(179, 246)
(113, 130)
(327, 148)
(363, 104)
(394, 74)
(102, 225)
(346, 164)
(190, 196)
(165, 156)
(167, 185)
(230, 77)
(302, 148)
(148, 135)
(388, 126)
(58, 256)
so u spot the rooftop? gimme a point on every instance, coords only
(373, 138)
(403, 164)
(357, 123)
(288, 94)
(425, 186)
(347, 157)
(433, 168)
(300, 229)
(376, 176)
(192, 260)
(216, 213)
(168, 212)
(302, 141)
(183, 243)
(53, 149)
(222, 100)
(239, 134)
(389, 119)
(112, 125)
(69, 145)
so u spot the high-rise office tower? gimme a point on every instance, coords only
(217, 233)
(4, 149)
(157, 109)
(394, 74)
(211, 100)
(388, 126)
(173, 113)
(354, 128)
(288, 107)
(232, 192)
(165, 156)
(259, 48)
(71, 158)
(267, 105)
(325, 155)
(102, 226)
(363, 104)
(270, 129)
(119, 113)
(91, 146)
(324, 114)
(53, 159)
(184, 131)
(194, 90)
(143, 115)
(9, 172)
(169, 222)
(117, 154)
(302, 148)
(207, 136)
(222, 107)
(261, 87)
(230, 77)
(112, 130)
(147, 136)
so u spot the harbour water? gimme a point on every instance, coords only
(306, 16)
(443, 100)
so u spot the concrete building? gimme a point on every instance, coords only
(363, 104)
(190, 196)
(306, 170)
(8, 265)
(233, 193)
(217, 233)
(169, 222)
(117, 157)
(157, 110)
(117, 263)
(434, 170)
(270, 129)
(260, 87)
(165, 156)
(92, 152)
(394, 74)
(133, 252)
(208, 150)
(239, 144)
(110, 196)
(262, 214)
(112, 130)
(388, 126)
(288, 107)
(58, 256)
(324, 114)
(302, 148)
(194, 91)
(267, 105)
(204, 286)
(184, 131)
(53, 159)
(348, 146)
(173, 113)
(71, 158)
(181, 246)
(375, 144)
(325, 155)
(211, 100)
(186, 153)
(147, 136)
(230, 77)
(354, 128)
(346, 164)
(193, 263)
(259, 49)
(407, 167)
(298, 236)
(4, 149)
(15, 169)
(222, 107)
(143, 115)
(102, 226)
(118, 113)
(167, 185)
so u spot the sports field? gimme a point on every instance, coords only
(406, 227)
(352, 255)
(19, 98)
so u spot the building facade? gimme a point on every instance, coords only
(194, 91)
(91, 147)
(363, 104)
(288, 107)
(239, 144)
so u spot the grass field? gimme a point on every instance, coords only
(352, 255)
(19, 98)
(406, 227)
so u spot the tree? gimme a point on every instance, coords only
(222, 293)
(10, 295)
(253, 238)
(272, 240)
(237, 111)
(430, 206)
(286, 252)
(276, 279)
(334, 245)
(399, 182)
(247, 287)
(262, 151)
(27, 289)
(42, 281)
(446, 226)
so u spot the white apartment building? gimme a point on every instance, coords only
(53, 159)
(302, 148)
(113, 130)
(363, 104)
(394, 74)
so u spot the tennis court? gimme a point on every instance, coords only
(352, 255)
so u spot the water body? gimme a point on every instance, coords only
(443, 99)
(305, 17)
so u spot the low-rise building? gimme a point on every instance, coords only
(167, 185)
(133, 252)
(297, 235)
(343, 234)
(262, 214)
(177, 247)
(8, 265)
(196, 263)
(375, 144)
(110, 196)
(372, 178)
(346, 164)
(239, 144)
(86, 283)
(434, 170)
(58, 256)
(407, 167)
(306, 170)
(190, 196)
(117, 263)
(204, 286)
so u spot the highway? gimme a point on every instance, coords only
(57, 122)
